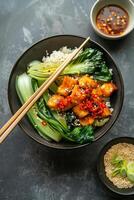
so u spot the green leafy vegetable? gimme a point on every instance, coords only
(130, 171)
(101, 122)
(123, 168)
(117, 161)
(90, 61)
(81, 135)
(120, 166)
(71, 120)
(24, 90)
(44, 109)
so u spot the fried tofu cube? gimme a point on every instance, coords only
(87, 121)
(79, 112)
(106, 112)
(58, 102)
(97, 91)
(78, 94)
(87, 82)
(65, 104)
(107, 89)
(67, 85)
(54, 101)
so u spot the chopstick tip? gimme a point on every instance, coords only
(88, 38)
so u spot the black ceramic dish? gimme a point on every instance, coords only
(101, 169)
(36, 52)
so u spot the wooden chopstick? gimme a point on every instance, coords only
(8, 127)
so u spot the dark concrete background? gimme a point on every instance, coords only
(29, 171)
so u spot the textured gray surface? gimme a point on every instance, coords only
(29, 171)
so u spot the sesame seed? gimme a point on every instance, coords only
(126, 151)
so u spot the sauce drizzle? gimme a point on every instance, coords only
(112, 20)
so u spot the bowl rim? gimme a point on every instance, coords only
(112, 122)
(103, 34)
(100, 164)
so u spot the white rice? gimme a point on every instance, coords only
(108, 104)
(57, 56)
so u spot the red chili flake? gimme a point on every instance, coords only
(69, 99)
(100, 112)
(61, 105)
(89, 104)
(87, 91)
(81, 106)
(103, 105)
(94, 95)
(94, 106)
(64, 103)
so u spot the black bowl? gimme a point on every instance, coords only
(36, 52)
(101, 169)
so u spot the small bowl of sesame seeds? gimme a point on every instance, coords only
(115, 166)
(112, 19)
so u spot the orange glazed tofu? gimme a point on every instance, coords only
(58, 102)
(80, 113)
(107, 89)
(106, 112)
(78, 94)
(54, 101)
(87, 121)
(97, 91)
(87, 82)
(67, 85)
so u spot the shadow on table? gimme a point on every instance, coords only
(68, 161)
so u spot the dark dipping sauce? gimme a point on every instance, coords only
(112, 20)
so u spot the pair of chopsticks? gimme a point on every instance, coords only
(14, 120)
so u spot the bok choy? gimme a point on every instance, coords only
(90, 61)
(24, 90)
(48, 124)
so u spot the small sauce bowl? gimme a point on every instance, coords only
(127, 5)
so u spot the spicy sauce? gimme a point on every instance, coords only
(112, 20)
